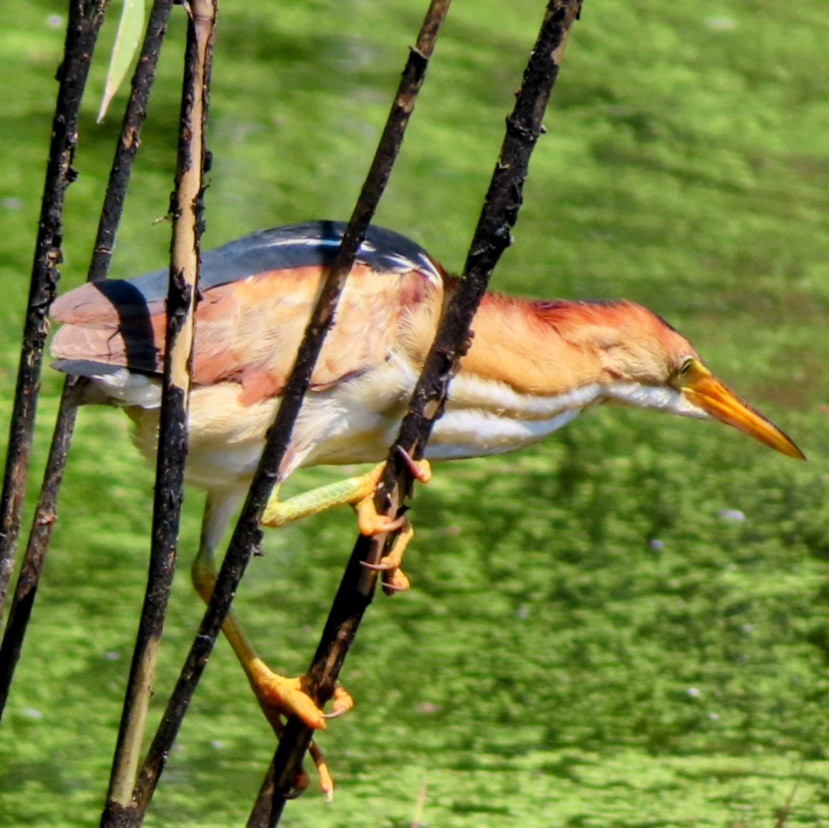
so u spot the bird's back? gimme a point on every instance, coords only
(256, 296)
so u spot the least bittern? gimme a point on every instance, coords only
(533, 367)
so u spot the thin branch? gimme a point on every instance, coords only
(85, 18)
(32, 565)
(186, 209)
(130, 138)
(247, 534)
(46, 511)
(492, 237)
(287, 761)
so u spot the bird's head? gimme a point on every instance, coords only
(646, 363)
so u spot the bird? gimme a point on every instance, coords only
(532, 367)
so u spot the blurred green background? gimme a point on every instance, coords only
(624, 626)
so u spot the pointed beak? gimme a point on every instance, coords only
(705, 391)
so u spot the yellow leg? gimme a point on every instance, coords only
(354, 491)
(359, 493)
(279, 695)
(350, 491)
(286, 695)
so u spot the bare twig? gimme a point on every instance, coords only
(420, 806)
(46, 511)
(247, 534)
(85, 18)
(492, 236)
(130, 138)
(785, 811)
(186, 210)
(32, 565)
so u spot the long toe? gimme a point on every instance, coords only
(371, 522)
(341, 702)
(395, 581)
(287, 697)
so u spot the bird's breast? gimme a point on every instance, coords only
(485, 416)
(356, 420)
(353, 421)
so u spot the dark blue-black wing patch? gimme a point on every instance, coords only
(294, 245)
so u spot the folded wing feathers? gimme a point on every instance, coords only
(248, 329)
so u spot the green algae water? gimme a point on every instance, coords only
(624, 626)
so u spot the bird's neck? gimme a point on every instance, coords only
(516, 342)
(520, 381)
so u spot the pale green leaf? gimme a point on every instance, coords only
(126, 45)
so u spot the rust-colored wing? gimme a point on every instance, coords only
(257, 294)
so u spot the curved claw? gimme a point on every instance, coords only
(383, 565)
(300, 785)
(395, 581)
(341, 701)
(421, 470)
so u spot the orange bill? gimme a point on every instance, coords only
(705, 391)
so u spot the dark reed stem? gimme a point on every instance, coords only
(46, 511)
(492, 237)
(129, 140)
(39, 536)
(85, 18)
(186, 207)
(247, 534)
(287, 762)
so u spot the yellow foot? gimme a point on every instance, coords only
(368, 519)
(342, 702)
(372, 523)
(282, 696)
(394, 579)
(321, 763)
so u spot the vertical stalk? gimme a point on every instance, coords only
(46, 511)
(85, 18)
(247, 533)
(492, 237)
(41, 532)
(288, 760)
(186, 210)
(129, 139)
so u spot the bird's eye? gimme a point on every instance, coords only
(685, 366)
